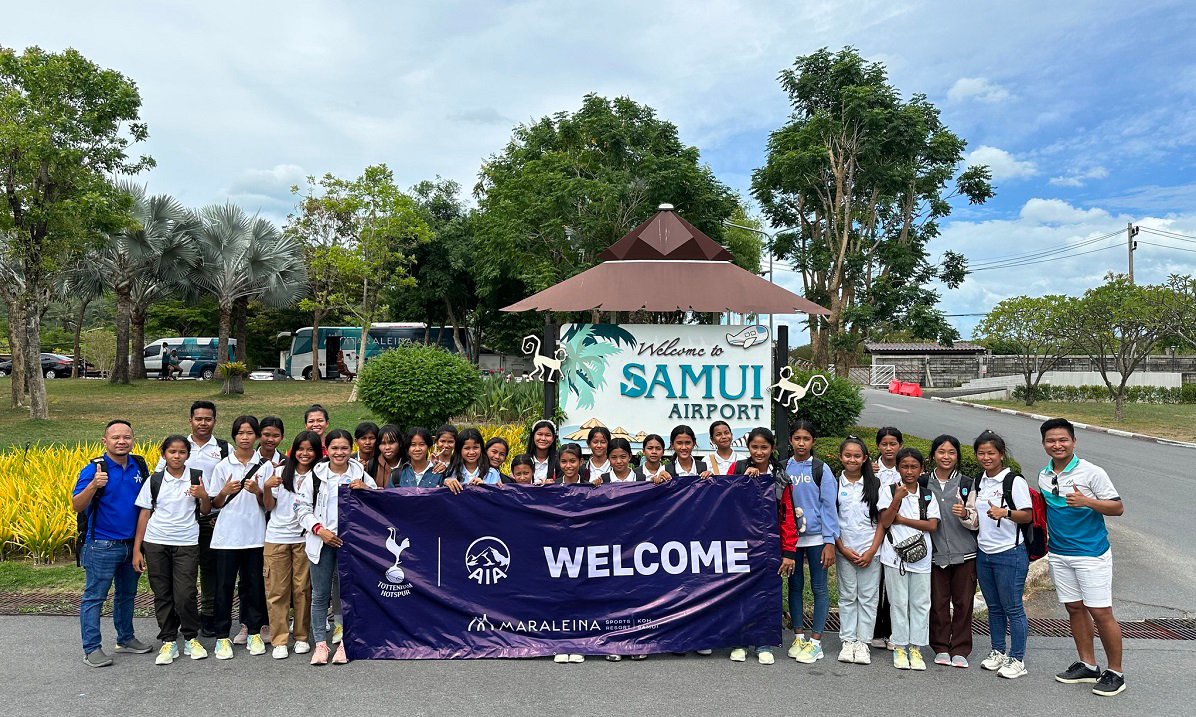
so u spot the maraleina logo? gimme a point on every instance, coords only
(487, 559)
(480, 624)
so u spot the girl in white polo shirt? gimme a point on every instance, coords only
(723, 458)
(167, 543)
(317, 508)
(908, 583)
(1001, 558)
(239, 537)
(288, 584)
(860, 537)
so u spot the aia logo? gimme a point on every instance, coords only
(487, 559)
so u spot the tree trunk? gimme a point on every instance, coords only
(39, 407)
(448, 307)
(226, 318)
(77, 364)
(1119, 404)
(16, 343)
(137, 350)
(314, 374)
(124, 312)
(240, 330)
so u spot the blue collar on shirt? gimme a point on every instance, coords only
(1071, 466)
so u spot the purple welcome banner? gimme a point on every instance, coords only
(509, 571)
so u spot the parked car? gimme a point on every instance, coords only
(268, 374)
(54, 366)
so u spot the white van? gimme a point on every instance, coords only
(197, 355)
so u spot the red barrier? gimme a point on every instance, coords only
(894, 386)
(910, 389)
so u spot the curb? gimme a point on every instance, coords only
(1085, 426)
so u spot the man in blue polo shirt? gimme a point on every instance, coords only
(107, 490)
(1078, 496)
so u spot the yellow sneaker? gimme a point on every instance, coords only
(795, 648)
(338, 634)
(195, 650)
(915, 659)
(900, 659)
(167, 654)
(256, 645)
(810, 653)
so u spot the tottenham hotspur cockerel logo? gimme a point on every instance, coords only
(487, 559)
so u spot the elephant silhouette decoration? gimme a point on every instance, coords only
(545, 367)
(789, 393)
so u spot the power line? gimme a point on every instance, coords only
(1166, 246)
(1013, 258)
(1169, 235)
(1053, 258)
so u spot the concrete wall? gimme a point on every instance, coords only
(1012, 365)
(940, 371)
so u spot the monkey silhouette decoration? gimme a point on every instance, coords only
(545, 367)
(394, 573)
(789, 393)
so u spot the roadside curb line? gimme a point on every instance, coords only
(1085, 426)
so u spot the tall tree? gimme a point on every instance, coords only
(81, 284)
(568, 186)
(1117, 325)
(862, 176)
(245, 257)
(1035, 327)
(11, 286)
(66, 125)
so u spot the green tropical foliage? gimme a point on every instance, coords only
(587, 347)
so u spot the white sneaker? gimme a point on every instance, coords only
(994, 661)
(942, 658)
(167, 653)
(863, 656)
(1012, 669)
(560, 659)
(242, 636)
(279, 653)
(256, 645)
(795, 648)
(574, 659)
(195, 650)
(302, 648)
(738, 655)
(765, 658)
(224, 649)
(847, 652)
(704, 652)
(879, 643)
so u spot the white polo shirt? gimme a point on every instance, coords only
(661, 470)
(887, 476)
(173, 521)
(856, 528)
(242, 522)
(908, 509)
(722, 466)
(616, 479)
(203, 457)
(540, 474)
(283, 527)
(999, 536)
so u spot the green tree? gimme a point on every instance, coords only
(245, 258)
(1034, 328)
(1118, 323)
(568, 186)
(66, 126)
(862, 176)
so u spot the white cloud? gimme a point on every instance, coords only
(1003, 164)
(1057, 211)
(1080, 177)
(977, 88)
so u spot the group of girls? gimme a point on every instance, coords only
(863, 521)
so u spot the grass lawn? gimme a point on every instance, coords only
(1176, 421)
(79, 408)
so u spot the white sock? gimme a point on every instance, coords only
(1119, 674)
(817, 642)
(1091, 667)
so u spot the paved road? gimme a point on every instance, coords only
(1154, 553)
(42, 670)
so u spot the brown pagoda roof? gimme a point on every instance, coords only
(667, 264)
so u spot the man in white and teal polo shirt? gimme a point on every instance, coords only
(1078, 496)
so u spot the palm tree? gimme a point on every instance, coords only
(156, 248)
(245, 258)
(81, 284)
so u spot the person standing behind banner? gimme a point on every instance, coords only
(315, 419)
(317, 509)
(653, 466)
(598, 441)
(523, 470)
(389, 455)
(497, 449)
(541, 446)
(570, 459)
(684, 463)
(723, 458)
(418, 471)
(239, 538)
(811, 515)
(621, 470)
(106, 491)
(472, 465)
(288, 582)
(761, 461)
(167, 547)
(365, 438)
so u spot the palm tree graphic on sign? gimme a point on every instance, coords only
(588, 348)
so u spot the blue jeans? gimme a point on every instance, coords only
(324, 577)
(1002, 578)
(106, 562)
(797, 586)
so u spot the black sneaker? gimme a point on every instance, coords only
(1110, 684)
(1077, 673)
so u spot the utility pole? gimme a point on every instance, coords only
(1131, 231)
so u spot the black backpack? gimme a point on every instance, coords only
(84, 526)
(156, 487)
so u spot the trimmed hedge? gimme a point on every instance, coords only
(1100, 394)
(418, 385)
(827, 448)
(836, 410)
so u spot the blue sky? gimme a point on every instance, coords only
(1086, 111)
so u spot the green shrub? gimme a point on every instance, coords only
(1187, 393)
(505, 401)
(418, 385)
(834, 411)
(1101, 394)
(827, 448)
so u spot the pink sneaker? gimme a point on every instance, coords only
(320, 655)
(339, 658)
